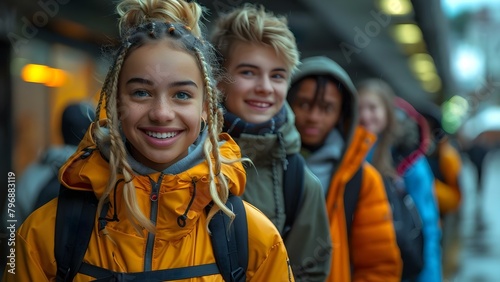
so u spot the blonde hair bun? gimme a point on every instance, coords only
(137, 12)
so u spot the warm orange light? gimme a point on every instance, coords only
(43, 74)
(57, 79)
(36, 73)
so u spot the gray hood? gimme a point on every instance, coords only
(321, 65)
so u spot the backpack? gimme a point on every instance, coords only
(408, 227)
(293, 187)
(434, 164)
(76, 211)
(230, 248)
(351, 196)
(294, 174)
(48, 192)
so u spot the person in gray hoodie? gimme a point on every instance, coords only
(259, 53)
(324, 101)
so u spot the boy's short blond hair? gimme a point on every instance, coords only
(252, 24)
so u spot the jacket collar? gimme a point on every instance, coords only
(326, 159)
(264, 148)
(88, 169)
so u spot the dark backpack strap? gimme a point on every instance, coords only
(103, 275)
(230, 241)
(293, 186)
(436, 171)
(75, 216)
(48, 192)
(351, 195)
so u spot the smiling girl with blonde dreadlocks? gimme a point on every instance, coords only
(158, 167)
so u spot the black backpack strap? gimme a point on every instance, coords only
(293, 186)
(48, 192)
(351, 195)
(434, 164)
(75, 215)
(104, 275)
(230, 241)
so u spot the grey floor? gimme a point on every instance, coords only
(472, 237)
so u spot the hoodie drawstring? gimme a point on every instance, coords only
(281, 141)
(276, 189)
(103, 220)
(181, 220)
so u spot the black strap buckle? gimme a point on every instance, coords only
(238, 275)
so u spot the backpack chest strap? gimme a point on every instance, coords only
(102, 274)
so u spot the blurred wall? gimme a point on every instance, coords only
(37, 106)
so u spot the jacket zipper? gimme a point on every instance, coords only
(148, 258)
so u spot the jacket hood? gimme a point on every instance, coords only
(320, 65)
(433, 116)
(88, 169)
(412, 140)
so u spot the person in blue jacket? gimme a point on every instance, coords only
(402, 142)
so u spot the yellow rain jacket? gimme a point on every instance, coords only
(123, 250)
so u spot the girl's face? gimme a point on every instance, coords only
(373, 113)
(160, 102)
(315, 120)
(259, 82)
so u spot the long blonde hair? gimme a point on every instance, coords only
(382, 156)
(142, 21)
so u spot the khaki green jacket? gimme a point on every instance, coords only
(308, 243)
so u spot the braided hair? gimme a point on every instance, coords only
(142, 22)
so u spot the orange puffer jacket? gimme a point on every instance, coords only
(374, 251)
(118, 247)
(448, 191)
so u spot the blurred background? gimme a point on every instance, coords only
(433, 53)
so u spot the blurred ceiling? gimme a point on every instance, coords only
(354, 33)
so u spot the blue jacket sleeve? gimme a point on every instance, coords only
(419, 183)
